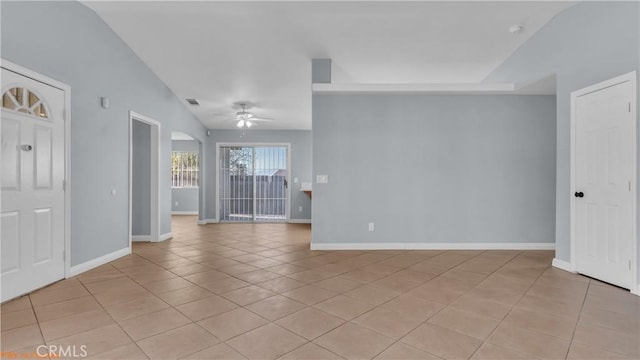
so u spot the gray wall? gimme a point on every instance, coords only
(434, 168)
(141, 179)
(585, 44)
(187, 198)
(69, 42)
(300, 141)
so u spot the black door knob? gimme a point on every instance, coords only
(579, 194)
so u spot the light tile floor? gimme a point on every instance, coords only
(237, 291)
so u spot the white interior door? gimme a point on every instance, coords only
(32, 206)
(603, 197)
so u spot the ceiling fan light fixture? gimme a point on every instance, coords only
(248, 123)
(240, 123)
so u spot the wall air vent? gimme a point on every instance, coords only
(193, 101)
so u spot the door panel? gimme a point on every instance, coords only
(32, 199)
(613, 233)
(236, 184)
(10, 223)
(43, 153)
(43, 239)
(252, 183)
(271, 181)
(604, 153)
(10, 154)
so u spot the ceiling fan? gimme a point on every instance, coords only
(245, 119)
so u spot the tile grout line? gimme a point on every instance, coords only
(441, 309)
(114, 321)
(573, 333)
(512, 306)
(401, 294)
(35, 314)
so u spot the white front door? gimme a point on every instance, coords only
(32, 207)
(603, 197)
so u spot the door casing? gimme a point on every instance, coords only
(628, 77)
(154, 207)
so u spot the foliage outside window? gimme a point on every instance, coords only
(185, 169)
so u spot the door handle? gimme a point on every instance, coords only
(579, 194)
(286, 184)
(26, 147)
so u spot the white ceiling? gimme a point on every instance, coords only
(222, 53)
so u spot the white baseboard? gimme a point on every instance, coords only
(299, 221)
(91, 264)
(184, 213)
(433, 246)
(166, 236)
(146, 238)
(208, 221)
(561, 264)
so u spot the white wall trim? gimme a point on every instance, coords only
(91, 264)
(631, 77)
(433, 246)
(154, 187)
(67, 148)
(562, 265)
(208, 221)
(299, 221)
(184, 213)
(166, 236)
(140, 238)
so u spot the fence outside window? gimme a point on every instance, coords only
(185, 169)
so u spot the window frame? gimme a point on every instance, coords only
(184, 171)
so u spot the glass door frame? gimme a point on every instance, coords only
(254, 145)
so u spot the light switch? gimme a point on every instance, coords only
(295, 180)
(322, 179)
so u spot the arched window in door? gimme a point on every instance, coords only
(25, 101)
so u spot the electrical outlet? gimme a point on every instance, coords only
(299, 208)
(371, 226)
(322, 179)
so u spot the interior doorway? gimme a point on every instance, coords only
(186, 174)
(253, 182)
(144, 172)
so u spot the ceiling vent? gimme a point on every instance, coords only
(193, 101)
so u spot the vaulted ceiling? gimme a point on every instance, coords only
(222, 53)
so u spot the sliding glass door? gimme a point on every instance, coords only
(253, 183)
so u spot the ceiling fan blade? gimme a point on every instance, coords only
(261, 119)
